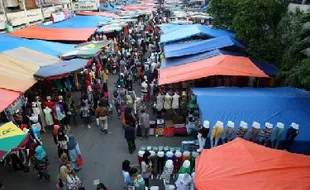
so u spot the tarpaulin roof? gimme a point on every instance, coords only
(57, 34)
(61, 68)
(8, 42)
(16, 75)
(272, 105)
(166, 28)
(189, 31)
(107, 7)
(31, 56)
(226, 65)
(190, 48)
(7, 97)
(244, 165)
(269, 69)
(78, 22)
(133, 8)
(104, 14)
(11, 138)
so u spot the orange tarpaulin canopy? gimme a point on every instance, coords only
(57, 34)
(226, 65)
(244, 165)
(104, 14)
(7, 97)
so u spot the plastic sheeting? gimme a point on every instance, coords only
(190, 48)
(225, 65)
(16, 75)
(60, 69)
(31, 56)
(272, 105)
(107, 7)
(8, 42)
(189, 31)
(244, 165)
(56, 34)
(7, 97)
(104, 14)
(166, 28)
(79, 22)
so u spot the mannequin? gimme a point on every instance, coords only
(254, 131)
(168, 101)
(177, 161)
(175, 101)
(242, 130)
(49, 103)
(193, 158)
(154, 164)
(291, 133)
(161, 161)
(202, 135)
(184, 182)
(183, 101)
(265, 134)
(159, 103)
(216, 133)
(185, 168)
(229, 131)
(169, 155)
(168, 170)
(186, 155)
(65, 109)
(192, 185)
(48, 116)
(140, 156)
(41, 114)
(276, 135)
(35, 121)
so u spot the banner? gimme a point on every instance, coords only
(85, 6)
(60, 16)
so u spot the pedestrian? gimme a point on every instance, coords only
(146, 167)
(62, 140)
(102, 113)
(16, 162)
(74, 152)
(145, 124)
(130, 178)
(130, 136)
(125, 169)
(84, 113)
(41, 164)
(63, 160)
(101, 186)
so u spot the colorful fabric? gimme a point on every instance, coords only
(241, 132)
(265, 135)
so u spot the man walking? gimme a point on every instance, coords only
(145, 124)
(130, 136)
(102, 113)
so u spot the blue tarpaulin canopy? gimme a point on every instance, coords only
(190, 48)
(189, 31)
(107, 7)
(272, 105)
(8, 42)
(60, 68)
(79, 22)
(166, 28)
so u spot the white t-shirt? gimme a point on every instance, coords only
(160, 102)
(175, 101)
(167, 104)
(144, 87)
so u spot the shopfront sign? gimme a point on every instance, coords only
(85, 6)
(60, 16)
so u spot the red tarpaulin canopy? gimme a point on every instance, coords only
(225, 65)
(104, 14)
(7, 97)
(244, 165)
(57, 34)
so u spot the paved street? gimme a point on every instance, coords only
(103, 155)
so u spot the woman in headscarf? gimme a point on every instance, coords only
(74, 152)
(62, 140)
(41, 163)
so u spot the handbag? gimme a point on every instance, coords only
(79, 161)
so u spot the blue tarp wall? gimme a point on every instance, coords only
(272, 105)
(190, 48)
(79, 22)
(8, 42)
(60, 68)
(188, 31)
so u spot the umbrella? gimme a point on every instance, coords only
(11, 137)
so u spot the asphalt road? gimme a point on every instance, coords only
(102, 154)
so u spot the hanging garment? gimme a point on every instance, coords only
(160, 102)
(41, 115)
(184, 182)
(168, 102)
(253, 134)
(183, 102)
(217, 131)
(161, 164)
(201, 141)
(140, 156)
(193, 158)
(241, 132)
(186, 156)
(48, 116)
(228, 133)
(154, 160)
(265, 135)
(290, 136)
(276, 136)
(175, 101)
(169, 156)
(177, 162)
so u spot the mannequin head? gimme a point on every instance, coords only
(230, 124)
(169, 164)
(268, 125)
(60, 98)
(243, 125)
(37, 98)
(206, 124)
(152, 153)
(219, 124)
(184, 93)
(160, 154)
(178, 154)
(280, 125)
(295, 126)
(256, 125)
(169, 154)
(186, 164)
